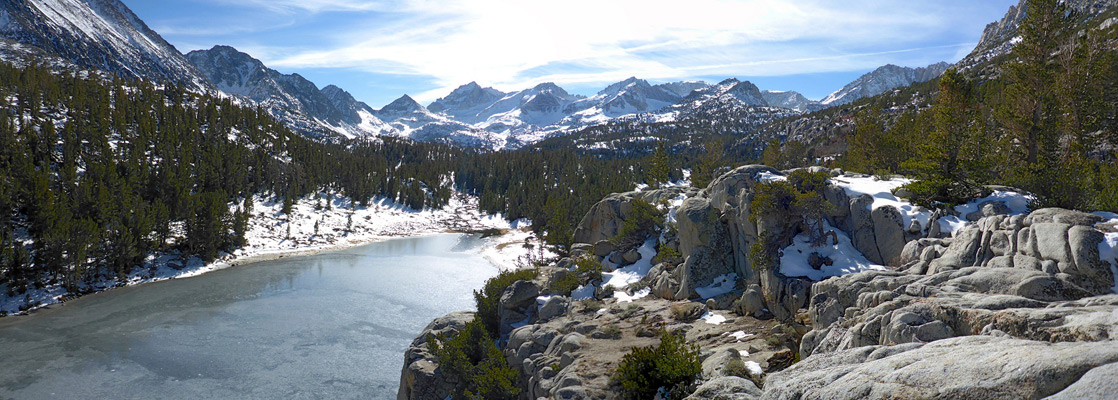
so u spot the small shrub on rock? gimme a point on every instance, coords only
(673, 364)
(589, 268)
(668, 255)
(645, 216)
(489, 297)
(481, 368)
(566, 284)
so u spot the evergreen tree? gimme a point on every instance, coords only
(659, 168)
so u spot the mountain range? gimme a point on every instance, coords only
(105, 35)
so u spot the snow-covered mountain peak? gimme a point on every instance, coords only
(403, 104)
(683, 88)
(623, 85)
(884, 78)
(466, 102)
(744, 91)
(790, 99)
(97, 34)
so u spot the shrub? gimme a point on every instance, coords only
(761, 254)
(644, 217)
(673, 364)
(806, 181)
(668, 255)
(565, 284)
(589, 268)
(481, 368)
(490, 295)
(591, 305)
(772, 198)
(940, 193)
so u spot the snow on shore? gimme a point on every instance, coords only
(342, 226)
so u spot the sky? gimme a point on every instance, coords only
(379, 50)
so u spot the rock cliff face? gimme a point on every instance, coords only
(1008, 305)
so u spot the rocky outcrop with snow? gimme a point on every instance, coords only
(97, 34)
(984, 300)
(883, 79)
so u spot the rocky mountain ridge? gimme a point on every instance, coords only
(97, 34)
(998, 37)
(882, 79)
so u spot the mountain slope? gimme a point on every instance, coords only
(790, 99)
(997, 38)
(97, 34)
(467, 102)
(884, 78)
(409, 119)
(291, 98)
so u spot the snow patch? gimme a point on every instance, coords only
(754, 368)
(846, 259)
(740, 335)
(623, 297)
(1108, 248)
(721, 285)
(713, 319)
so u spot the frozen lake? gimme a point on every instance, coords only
(332, 325)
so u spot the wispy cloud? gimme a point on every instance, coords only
(502, 42)
(313, 6)
(513, 44)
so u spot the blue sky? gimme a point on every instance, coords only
(381, 49)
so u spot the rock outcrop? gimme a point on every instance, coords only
(421, 377)
(1006, 307)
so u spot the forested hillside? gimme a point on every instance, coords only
(1045, 123)
(97, 175)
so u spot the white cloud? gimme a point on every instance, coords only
(515, 44)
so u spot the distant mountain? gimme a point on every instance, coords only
(683, 88)
(467, 102)
(516, 112)
(883, 79)
(630, 96)
(412, 120)
(291, 98)
(790, 99)
(745, 92)
(96, 34)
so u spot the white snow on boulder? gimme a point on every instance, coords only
(882, 193)
(721, 285)
(846, 259)
(1108, 248)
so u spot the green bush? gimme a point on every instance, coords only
(806, 181)
(644, 217)
(481, 368)
(490, 295)
(941, 193)
(589, 268)
(668, 255)
(565, 285)
(761, 252)
(673, 365)
(773, 198)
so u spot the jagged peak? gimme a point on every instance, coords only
(619, 86)
(404, 103)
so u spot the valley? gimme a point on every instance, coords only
(234, 221)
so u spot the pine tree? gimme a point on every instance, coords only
(659, 168)
(708, 165)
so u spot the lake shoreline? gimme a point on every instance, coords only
(310, 231)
